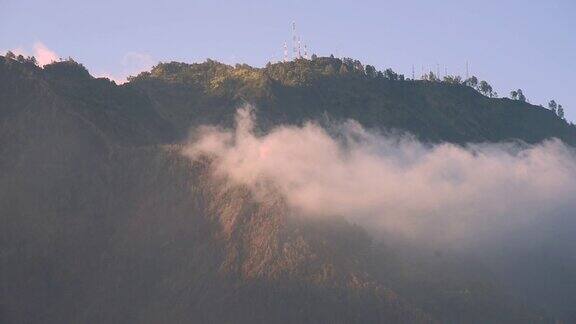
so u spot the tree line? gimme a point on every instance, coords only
(348, 65)
(20, 58)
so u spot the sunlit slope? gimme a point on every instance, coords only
(325, 89)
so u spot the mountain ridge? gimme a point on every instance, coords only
(178, 96)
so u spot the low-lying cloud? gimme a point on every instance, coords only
(395, 184)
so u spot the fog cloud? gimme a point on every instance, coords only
(395, 184)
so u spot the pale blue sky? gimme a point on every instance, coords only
(512, 44)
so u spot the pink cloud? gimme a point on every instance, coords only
(43, 54)
(440, 193)
(132, 63)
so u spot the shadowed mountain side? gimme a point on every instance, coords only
(98, 233)
(120, 115)
(103, 220)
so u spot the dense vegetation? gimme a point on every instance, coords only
(104, 221)
(313, 89)
(451, 109)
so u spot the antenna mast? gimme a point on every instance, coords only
(294, 41)
(299, 46)
(467, 72)
(285, 52)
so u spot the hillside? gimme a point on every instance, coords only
(292, 92)
(174, 97)
(105, 221)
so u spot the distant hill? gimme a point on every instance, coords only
(104, 221)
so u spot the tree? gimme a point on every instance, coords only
(390, 75)
(430, 77)
(31, 60)
(517, 95)
(485, 89)
(560, 112)
(552, 105)
(314, 57)
(370, 71)
(521, 96)
(452, 79)
(10, 55)
(472, 82)
(514, 95)
(20, 58)
(357, 65)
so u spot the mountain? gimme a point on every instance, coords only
(104, 220)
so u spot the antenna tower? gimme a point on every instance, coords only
(294, 41)
(299, 47)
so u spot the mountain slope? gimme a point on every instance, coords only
(105, 221)
(302, 90)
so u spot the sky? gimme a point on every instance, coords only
(512, 44)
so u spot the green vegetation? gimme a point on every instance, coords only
(295, 91)
(185, 95)
(556, 108)
(518, 95)
(30, 60)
